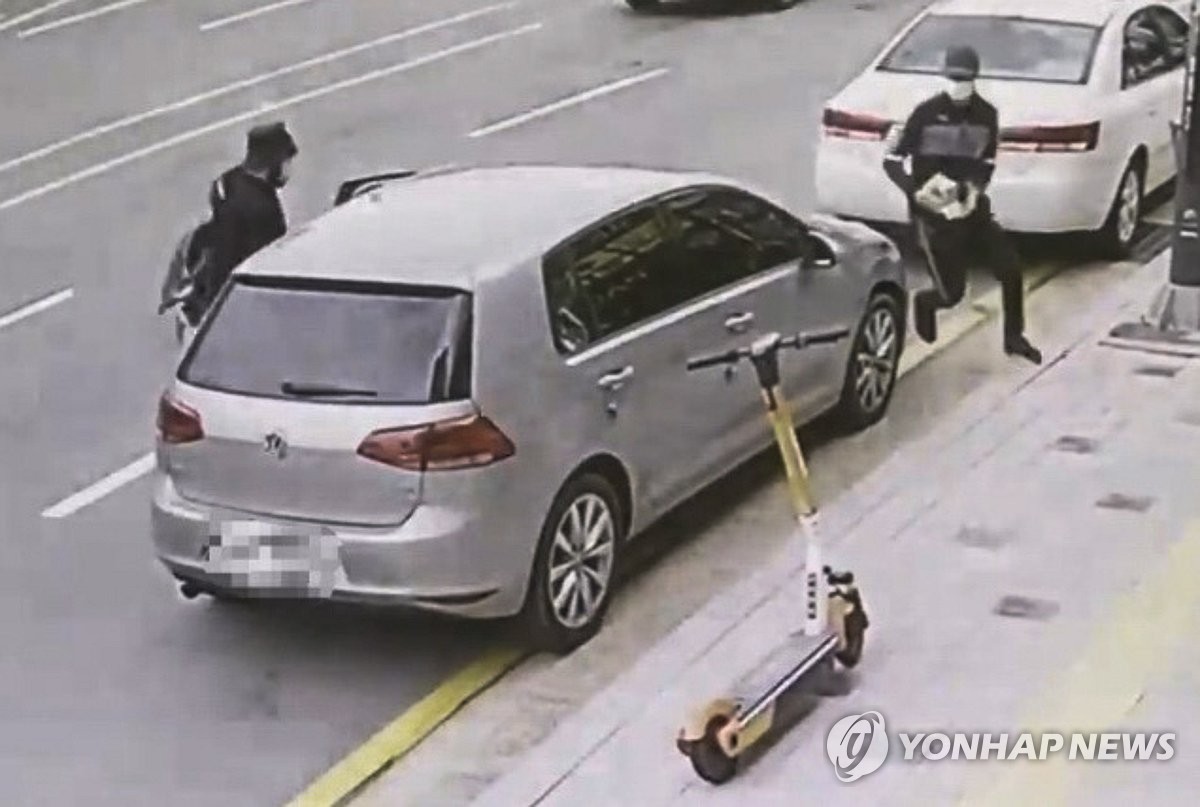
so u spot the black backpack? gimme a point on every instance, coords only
(189, 260)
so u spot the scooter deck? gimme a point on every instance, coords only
(782, 669)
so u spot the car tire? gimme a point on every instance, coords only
(557, 617)
(873, 366)
(1116, 237)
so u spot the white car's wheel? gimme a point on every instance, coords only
(1116, 238)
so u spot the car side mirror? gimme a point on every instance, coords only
(819, 252)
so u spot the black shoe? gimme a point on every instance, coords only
(1020, 346)
(925, 319)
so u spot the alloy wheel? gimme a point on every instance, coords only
(875, 358)
(1129, 208)
(581, 561)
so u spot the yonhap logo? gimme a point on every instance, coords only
(857, 745)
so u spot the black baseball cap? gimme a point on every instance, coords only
(962, 63)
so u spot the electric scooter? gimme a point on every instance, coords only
(835, 622)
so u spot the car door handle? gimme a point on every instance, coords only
(738, 323)
(615, 380)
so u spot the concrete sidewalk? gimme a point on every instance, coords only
(1065, 497)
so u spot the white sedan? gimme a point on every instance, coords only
(1086, 91)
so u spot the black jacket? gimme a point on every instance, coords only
(943, 137)
(246, 216)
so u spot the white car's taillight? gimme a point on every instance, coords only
(854, 125)
(1064, 139)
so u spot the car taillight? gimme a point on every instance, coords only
(471, 442)
(178, 423)
(854, 126)
(1074, 138)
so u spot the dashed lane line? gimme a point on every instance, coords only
(74, 19)
(36, 307)
(251, 81)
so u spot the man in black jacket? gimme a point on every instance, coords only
(951, 140)
(246, 212)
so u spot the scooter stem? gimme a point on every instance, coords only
(805, 510)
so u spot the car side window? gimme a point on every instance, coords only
(1145, 54)
(709, 253)
(1174, 30)
(606, 279)
(778, 238)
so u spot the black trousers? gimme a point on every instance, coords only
(953, 247)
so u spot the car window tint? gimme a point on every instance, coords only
(1146, 53)
(713, 249)
(778, 237)
(607, 279)
(1174, 30)
(409, 346)
(1008, 47)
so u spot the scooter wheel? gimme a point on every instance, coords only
(708, 759)
(856, 634)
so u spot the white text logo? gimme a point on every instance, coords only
(1087, 747)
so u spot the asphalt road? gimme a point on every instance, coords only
(112, 689)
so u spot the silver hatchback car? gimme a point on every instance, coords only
(465, 390)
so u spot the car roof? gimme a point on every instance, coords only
(1088, 12)
(454, 226)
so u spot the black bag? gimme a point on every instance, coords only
(189, 261)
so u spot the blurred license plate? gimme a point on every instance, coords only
(289, 560)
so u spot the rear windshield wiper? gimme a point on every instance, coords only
(325, 391)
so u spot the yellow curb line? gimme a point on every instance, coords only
(1130, 651)
(417, 722)
(405, 732)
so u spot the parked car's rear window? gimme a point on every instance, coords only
(386, 344)
(1009, 47)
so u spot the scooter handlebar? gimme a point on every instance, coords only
(729, 357)
(803, 340)
(798, 341)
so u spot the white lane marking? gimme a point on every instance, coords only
(224, 123)
(76, 18)
(221, 22)
(34, 14)
(242, 84)
(36, 307)
(97, 491)
(569, 101)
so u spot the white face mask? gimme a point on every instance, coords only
(960, 90)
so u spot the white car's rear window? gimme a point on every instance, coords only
(361, 343)
(1009, 48)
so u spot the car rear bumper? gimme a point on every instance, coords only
(431, 562)
(1050, 193)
